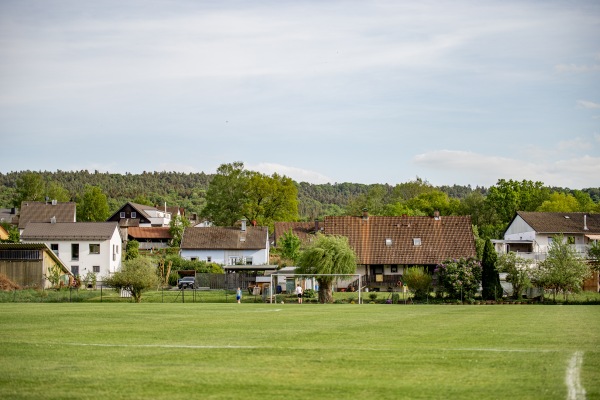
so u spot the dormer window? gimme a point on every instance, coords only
(388, 242)
(416, 241)
(122, 214)
(133, 214)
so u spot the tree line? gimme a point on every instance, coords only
(235, 192)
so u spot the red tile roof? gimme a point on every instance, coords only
(303, 230)
(149, 233)
(380, 240)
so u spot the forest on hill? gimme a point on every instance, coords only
(491, 208)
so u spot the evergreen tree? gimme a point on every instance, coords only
(490, 280)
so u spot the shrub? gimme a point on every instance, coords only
(418, 281)
(460, 278)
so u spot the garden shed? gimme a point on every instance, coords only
(28, 264)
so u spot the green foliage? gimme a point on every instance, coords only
(89, 279)
(560, 202)
(93, 206)
(490, 280)
(518, 272)
(563, 270)
(225, 196)
(54, 275)
(56, 191)
(508, 196)
(132, 250)
(418, 281)
(289, 246)
(30, 187)
(176, 228)
(136, 276)
(594, 255)
(459, 278)
(201, 267)
(13, 233)
(327, 255)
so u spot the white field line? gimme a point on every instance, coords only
(575, 390)
(200, 347)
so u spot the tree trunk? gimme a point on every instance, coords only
(325, 295)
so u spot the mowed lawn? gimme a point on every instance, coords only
(291, 351)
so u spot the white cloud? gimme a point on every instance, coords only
(577, 68)
(575, 144)
(297, 174)
(473, 168)
(588, 104)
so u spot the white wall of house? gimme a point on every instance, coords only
(104, 263)
(519, 230)
(228, 257)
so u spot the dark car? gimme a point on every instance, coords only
(187, 282)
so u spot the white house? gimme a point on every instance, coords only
(227, 245)
(82, 246)
(531, 233)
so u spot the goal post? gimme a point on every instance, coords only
(274, 278)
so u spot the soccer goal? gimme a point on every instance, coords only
(310, 282)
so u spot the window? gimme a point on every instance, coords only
(194, 259)
(248, 260)
(122, 214)
(394, 269)
(417, 241)
(209, 259)
(75, 251)
(54, 248)
(388, 242)
(94, 248)
(133, 214)
(96, 269)
(75, 269)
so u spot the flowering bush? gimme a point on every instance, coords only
(460, 278)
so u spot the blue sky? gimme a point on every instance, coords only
(460, 92)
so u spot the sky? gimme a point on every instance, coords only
(451, 92)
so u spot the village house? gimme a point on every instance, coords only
(39, 211)
(82, 246)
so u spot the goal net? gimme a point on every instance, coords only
(281, 282)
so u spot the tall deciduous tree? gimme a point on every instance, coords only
(508, 196)
(327, 255)
(235, 193)
(563, 270)
(289, 246)
(136, 276)
(93, 205)
(56, 191)
(30, 187)
(225, 197)
(490, 279)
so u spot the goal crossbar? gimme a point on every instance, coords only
(314, 276)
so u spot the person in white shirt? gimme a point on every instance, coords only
(299, 293)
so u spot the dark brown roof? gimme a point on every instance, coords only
(149, 233)
(69, 231)
(380, 240)
(560, 222)
(37, 211)
(304, 230)
(216, 237)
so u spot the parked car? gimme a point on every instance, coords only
(187, 282)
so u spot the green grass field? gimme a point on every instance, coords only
(291, 351)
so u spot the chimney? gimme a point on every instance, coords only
(436, 215)
(53, 220)
(365, 215)
(54, 202)
(243, 224)
(585, 228)
(316, 225)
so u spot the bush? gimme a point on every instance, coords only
(459, 278)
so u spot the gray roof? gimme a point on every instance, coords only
(561, 222)
(32, 246)
(39, 211)
(43, 231)
(216, 237)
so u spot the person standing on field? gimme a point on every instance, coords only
(299, 293)
(238, 295)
